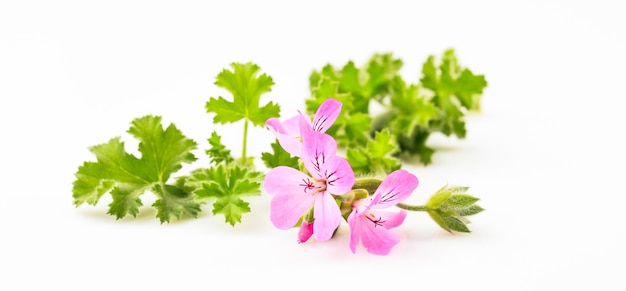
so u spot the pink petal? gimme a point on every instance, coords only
(284, 180)
(316, 149)
(371, 228)
(396, 187)
(327, 216)
(355, 224)
(326, 115)
(377, 240)
(275, 125)
(305, 232)
(390, 219)
(286, 209)
(304, 124)
(339, 175)
(287, 135)
(292, 126)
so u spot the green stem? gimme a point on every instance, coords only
(245, 141)
(412, 207)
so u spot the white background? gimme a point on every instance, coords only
(545, 155)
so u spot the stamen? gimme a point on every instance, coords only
(307, 184)
(377, 221)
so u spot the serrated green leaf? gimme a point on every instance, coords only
(226, 184)
(411, 110)
(90, 184)
(377, 157)
(232, 208)
(469, 89)
(382, 69)
(174, 202)
(218, 153)
(126, 200)
(456, 90)
(127, 177)
(246, 87)
(162, 151)
(279, 157)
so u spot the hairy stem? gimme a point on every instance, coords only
(412, 207)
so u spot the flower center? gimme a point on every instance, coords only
(313, 186)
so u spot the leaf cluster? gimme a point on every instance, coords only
(412, 111)
(163, 151)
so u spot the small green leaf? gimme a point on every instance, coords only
(455, 224)
(471, 210)
(458, 201)
(279, 157)
(218, 153)
(226, 184)
(232, 208)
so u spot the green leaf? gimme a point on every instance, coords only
(126, 200)
(175, 202)
(163, 151)
(455, 224)
(246, 87)
(377, 157)
(279, 157)
(471, 210)
(90, 184)
(227, 184)
(356, 129)
(458, 201)
(456, 90)
(218, 153)
(126, 177)
(232, 208)
(436, 216)
(411, 110)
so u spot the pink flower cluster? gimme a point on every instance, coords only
(296, 194)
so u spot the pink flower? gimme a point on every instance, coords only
(370, 225)
(289, 133)
(296, 192)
